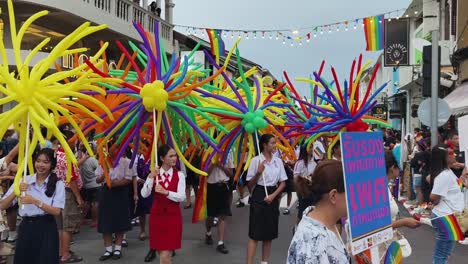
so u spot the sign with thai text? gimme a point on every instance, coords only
(367, 194)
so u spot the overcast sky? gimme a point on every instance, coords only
(338, 48)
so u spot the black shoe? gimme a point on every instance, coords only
(208, 240)
(107, 255)
(124, 243)
(286, 212)
(150, 256)
(240, 204)
(117, 254)
(222, 249)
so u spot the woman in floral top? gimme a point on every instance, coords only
(317, 239)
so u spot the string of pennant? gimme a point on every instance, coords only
(299, 35)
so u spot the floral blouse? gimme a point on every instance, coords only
(313, 243)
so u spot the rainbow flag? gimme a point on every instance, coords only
(199, 211)
(449, 227)
(374, 29)
(460, 184)
(393, 254)
(216, 42)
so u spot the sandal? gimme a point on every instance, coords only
(124, 243)
(3, 260)
(107, 255)
(72, 259)
(117, 254)
(188, 206)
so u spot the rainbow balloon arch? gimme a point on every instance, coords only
(150, 100)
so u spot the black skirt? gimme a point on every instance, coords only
(114, 210)
(218, 199)
(38, 241)
(264, 217)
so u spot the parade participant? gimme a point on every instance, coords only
(393, 171)
(446, 197)
(88, 166)
(265, 170)
(240, 188)
(453, 141)
(317, 239)
(303, 170)
(218, 201)
(113, 206)
(143, 204)
(165, 225)
(8, 165)
(191, 181)
(336, 151)
(319, 150)
(70, 220)
(289, 188)
(44, 198)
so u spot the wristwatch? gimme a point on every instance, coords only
(41, 204)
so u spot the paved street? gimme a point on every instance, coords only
(194, 250)
(89, 244)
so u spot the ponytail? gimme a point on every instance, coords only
(51, 184)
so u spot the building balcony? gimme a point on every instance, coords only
(118, 15)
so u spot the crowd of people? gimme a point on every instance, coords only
(52, 209)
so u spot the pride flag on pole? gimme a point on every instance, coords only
(216, 41)
(449, 227)
(374, 29)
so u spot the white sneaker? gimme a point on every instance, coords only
(464, 242)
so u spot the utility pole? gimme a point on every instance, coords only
(435, 87)
(431, 22)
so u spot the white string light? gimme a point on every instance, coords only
(296, 36)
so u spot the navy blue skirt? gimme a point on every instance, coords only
(114, 210)
(38, 241)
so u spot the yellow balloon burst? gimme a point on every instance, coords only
(37, 94)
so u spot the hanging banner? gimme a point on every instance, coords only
(367, 194)
(397, 42)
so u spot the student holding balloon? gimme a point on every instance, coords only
(168, 187)
(266, 173)
(38, 238)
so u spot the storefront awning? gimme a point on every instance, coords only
(458, 99)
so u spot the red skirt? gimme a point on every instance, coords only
(165, 227)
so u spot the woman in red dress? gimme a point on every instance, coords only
(165, 225)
